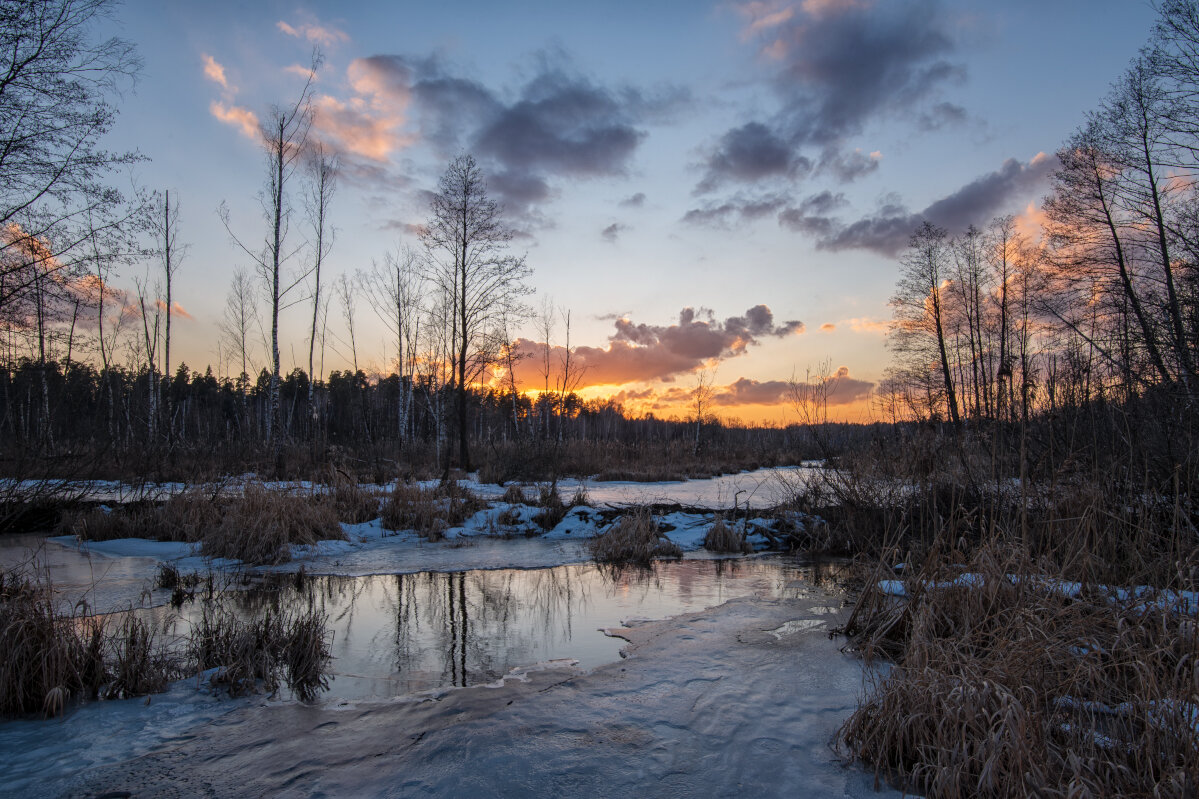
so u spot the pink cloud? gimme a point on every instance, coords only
(324, 35)
(243, 119)
(214, 71)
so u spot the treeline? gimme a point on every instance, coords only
(74, 417)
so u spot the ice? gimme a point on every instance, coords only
(707, 704)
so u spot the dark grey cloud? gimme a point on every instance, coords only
(751, 153)
(558, 124)
(842, 67)
(637, 352)
(738, 209)
(613, 231)
(813, 216)
(635, 201)
(887, 230)
(942, 115)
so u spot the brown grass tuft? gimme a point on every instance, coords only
(261, 526)
(1004, 684)
(271, 647)
(633, 539)
(724, 537)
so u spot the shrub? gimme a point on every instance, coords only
(634, 538)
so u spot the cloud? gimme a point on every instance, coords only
(867, 325)
(641, 352)
(214, 71)
(828, 327)
(738, 209)
(323, 35)
(612, 231)
(635, 201)
(176, 309)
(837, 67)
(355, 129)
(753, 392)
(751, 153)
(888, 230)
(558, 124)
(813, 215)
(838, 388)
(245, 120)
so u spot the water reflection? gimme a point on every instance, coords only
(398, 634)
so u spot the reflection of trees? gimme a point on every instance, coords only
(436, 629)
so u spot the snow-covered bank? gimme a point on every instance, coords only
(755, 489)
(739, 700)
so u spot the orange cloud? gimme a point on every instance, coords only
(828, 327)
(1030, 222)
(324, 35)
(354, 128)
(176, 309)
(368, 124)
(867, 325)
(243, 119)
(214, 71)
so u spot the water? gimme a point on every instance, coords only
(400, 634)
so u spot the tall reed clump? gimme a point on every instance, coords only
(726, 538)
(261, 526)
(270, 646)
(1009, 681)
(633, 539)
(352, 503)
(429, 511)
(138, 662)
(47, 655)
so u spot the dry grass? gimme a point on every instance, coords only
(47, 656)
(633, 539)
(429, 511)
(139, 663)
(514, 495)
(261, 526)
(1004, 685)
(352, 503)
(725, 537)
(553, 510)
(271, 647)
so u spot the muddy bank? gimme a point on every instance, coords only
(742, 699)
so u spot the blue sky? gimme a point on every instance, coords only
(736, 154)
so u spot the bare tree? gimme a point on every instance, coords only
(467, 241)
(918, 325)
(394, 291)
(167, 231)
(322, 169)
(701, 400)
(284, 137)
(241, 317)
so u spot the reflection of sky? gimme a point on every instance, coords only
(397, 634)
(955, 88)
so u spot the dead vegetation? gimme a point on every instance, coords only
(429, 511)
(271, 647)
(633, 539)
(256, 526)
(726, 538)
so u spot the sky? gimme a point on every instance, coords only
(714, 186)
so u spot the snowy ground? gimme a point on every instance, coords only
(756, 489)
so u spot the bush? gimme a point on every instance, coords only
(634, 539)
